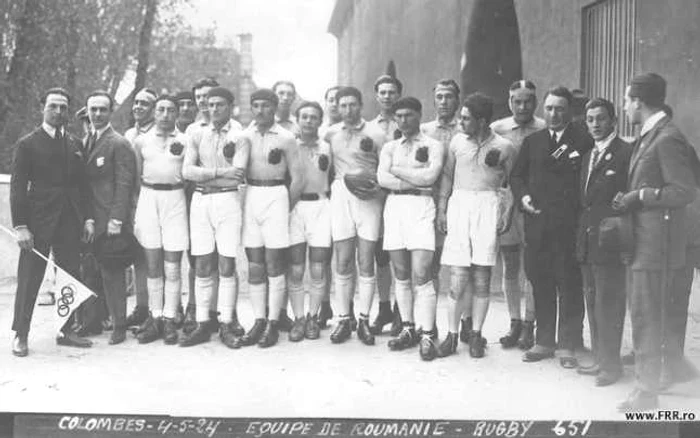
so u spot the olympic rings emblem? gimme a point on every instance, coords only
(64, 302)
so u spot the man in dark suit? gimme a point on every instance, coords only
(661, 184)
(111, 170)
(603, 175)
(48, 210)
(545, 183)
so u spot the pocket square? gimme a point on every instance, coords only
(100, 161)
(609, 172)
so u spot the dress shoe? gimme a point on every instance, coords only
(605, 378)
(19, 346)
(538, 353)
(46, 299)
(237, 328)
(342, 331)
(313, 328)
(510, 339)
(592, 370)
(228, 336)
(568, 360)
(384, 317)
(396, 323)
(296, 334)
(325, 314)
(364, 332)
(527, 335)
(199, 335)
(118, 336)
(284, 322)
(270, 336)
(71, 339)
(152, 330)
(213, 323)
(252, 336)
(628, 359)
(407, 338)
(465, 330)
(170, 331)
(353, 320)
(639, 400)
(190, 322)
(427, 348)
(137, 317)
(477, 344)
(448, 347)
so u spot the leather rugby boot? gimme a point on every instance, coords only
(448, 347)
(228, 336)
(190, 322)
(427, 348)
(71, 339)
(252, 336)
(527, 335)
(396, 323)
(284, 323)
(19, 346)
(237, 328)
(510, 339)
(170, 331)
(296, 334)
(384, 317)
(213, 323)
(312, 329)
(152, 330)
(353, 320)
(137, 317)
(628, 359)
(341, 332)
(199, 335)
(118, 336)
(270, 336)
(325, 314)
(407, 338)
(465, 329)
(364, 332)
(433, 333)
(476, 344)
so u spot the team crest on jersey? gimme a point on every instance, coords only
(323, 162)
(366, 144)
(176, 148)
(229, 150)
(422, 154)
(275, 156)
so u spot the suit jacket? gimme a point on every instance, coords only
(663, 159)
(46, 178)
(111, 169)
(608, 178)
(552, 183)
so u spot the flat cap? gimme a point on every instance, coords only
(264, 94)
(408, 103)
(221, 92)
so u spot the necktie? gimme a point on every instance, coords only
(58, 135)
(594, 161)
(92, 138)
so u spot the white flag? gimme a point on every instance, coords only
(70, 294)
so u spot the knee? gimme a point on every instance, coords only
(172, 271)
(296, 273)
(381, 256)
(317, 270)
(256, 273)
(203, 268)
(482, 280)
(227, 268)
(458, 283)
(511, 264)
(422, 275)
(366, 267)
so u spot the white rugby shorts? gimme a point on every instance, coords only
(310, 223)
(160, 220)
(409, 223)
(215, 223)
(472, 221)
(352, 216)
(266, 217)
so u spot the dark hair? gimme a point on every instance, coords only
(599, 102)
(309, 104)
(523, 83)
(451, 83)
(222, 92)
(386, 79)
(54, 90)
(560, 91)
(480, 106)
(668, 110)
(205, 82)
(407, 102)
(102, 93)
(278, 83)
(650, 88)
(169, 98)
(349, 91)
(333, 88)
(184, 95)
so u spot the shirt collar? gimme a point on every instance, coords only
(486, 140)
(226, 128)
(358, 127)
(651, 122)
(602, 145)
(278, 119)
(515, 125)
(560, 133)
(160, 133)
(51, 131)
(417, 137)
(142, 129)
(382, 119)
(449, 125)
(101, 131)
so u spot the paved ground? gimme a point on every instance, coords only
(310, 379)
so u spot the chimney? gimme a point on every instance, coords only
(245, 69)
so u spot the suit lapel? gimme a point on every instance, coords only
(99, 144)
(644, 143)
(603, 164)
